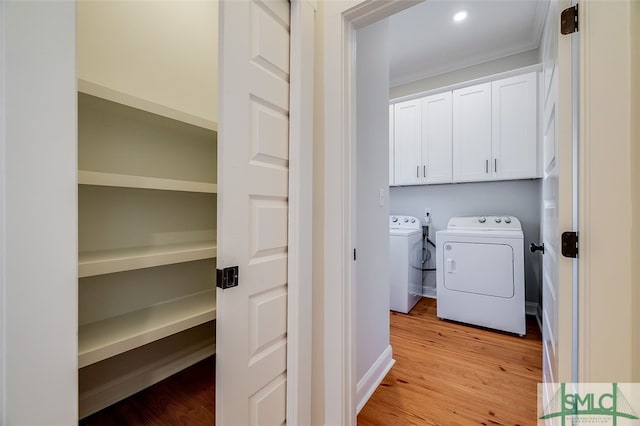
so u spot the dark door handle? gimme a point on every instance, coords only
(534, 248)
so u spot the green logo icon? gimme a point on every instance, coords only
(573, 405)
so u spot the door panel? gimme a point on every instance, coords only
(557, 200)
(472, 133)
(514, 121)
(479, 268)
(437, 138)
(253, 212)
(407, 143)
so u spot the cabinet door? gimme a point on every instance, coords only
(407, 143)
(472, 133)
(391, 148)
(514, 130)
(437, 138)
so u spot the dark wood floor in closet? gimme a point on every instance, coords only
(452, 374)
(184, 399)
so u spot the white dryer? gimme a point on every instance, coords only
(405, 262)
(480, 272)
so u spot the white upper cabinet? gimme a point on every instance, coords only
(514, 127)
(436, 138)
(421, 141)
(472, 133)
(408, 143)
(484, 132)
(391, 148)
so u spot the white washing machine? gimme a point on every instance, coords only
(405, 262)
(480, 272)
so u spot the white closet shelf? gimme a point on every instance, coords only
(100, 340)
(110, 388)
(113, 95)
(87, 177)
(109, 261)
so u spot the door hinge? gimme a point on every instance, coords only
(569, 20)
(354, 254)
(570, 244)
(227, 277)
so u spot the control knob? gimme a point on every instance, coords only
(498, 220)
(507, 220)
(482, 219)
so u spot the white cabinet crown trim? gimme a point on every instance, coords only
(463, 84)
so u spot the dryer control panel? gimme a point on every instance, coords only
(485, 223)
(404, 222)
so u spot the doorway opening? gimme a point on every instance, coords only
(147, 202)
(375, 192)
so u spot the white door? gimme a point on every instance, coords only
(472, 133)
(407, 143)
(437, 138)
(557, 201)
(514, 121)
(253, 191)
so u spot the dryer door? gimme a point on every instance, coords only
(479, 268)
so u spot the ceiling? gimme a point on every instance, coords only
(425, 41)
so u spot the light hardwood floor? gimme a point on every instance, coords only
(453, 374)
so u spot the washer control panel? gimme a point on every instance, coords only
(487, 223)
(404, 222)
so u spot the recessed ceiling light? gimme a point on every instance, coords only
(460, 16)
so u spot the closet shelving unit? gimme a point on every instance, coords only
(147, 243)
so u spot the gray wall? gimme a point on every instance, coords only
(519, 198)
(372, 224)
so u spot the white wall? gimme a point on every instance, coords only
(317, 360)
(606, 150)
(40, 214)
(634, 17)
(512, 62)
(179, 38)
(372, 175)
(519, 198)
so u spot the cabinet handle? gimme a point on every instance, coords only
(424, 171)
(486, 166)
(418, 172)
(495, 165)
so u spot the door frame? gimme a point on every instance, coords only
(299, 298)
(605, 195)
(342, 19)
(3, 214)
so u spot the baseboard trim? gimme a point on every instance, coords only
(368, 384)
(539, 320)
(429, 292)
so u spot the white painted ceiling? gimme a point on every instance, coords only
(424, 40)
